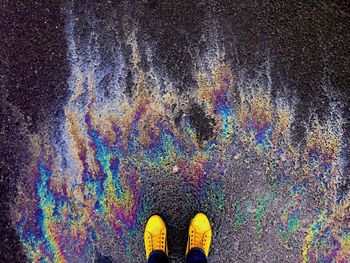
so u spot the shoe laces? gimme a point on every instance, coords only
(157, 242)
(198, 240)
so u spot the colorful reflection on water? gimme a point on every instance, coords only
(86, 180)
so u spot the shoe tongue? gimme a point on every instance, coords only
(198, 240)
(156, 243)
(157, 240)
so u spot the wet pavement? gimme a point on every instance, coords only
(114, 110)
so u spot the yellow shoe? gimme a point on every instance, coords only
(199, 234)
(155, 236)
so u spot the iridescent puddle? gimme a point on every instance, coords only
(86, 181)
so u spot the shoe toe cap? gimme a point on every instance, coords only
(201, 222)
(155, 224)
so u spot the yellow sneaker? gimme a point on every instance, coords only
(155, 236)
(199, 234)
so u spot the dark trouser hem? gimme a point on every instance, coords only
(158, 256)
(196, 255)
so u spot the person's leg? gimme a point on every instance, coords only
(196, 255)
(199, 239)
(155, 238)
(158, 257)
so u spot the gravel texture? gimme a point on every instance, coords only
(112, 111)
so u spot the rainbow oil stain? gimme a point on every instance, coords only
(290, 217)
(241, 213)
(86, 181)
(262, 203)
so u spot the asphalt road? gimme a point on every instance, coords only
(294, 52)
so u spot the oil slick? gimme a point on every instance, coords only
(87, 180)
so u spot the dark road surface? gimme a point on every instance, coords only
(114, 110)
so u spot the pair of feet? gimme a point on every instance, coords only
(199, 235)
